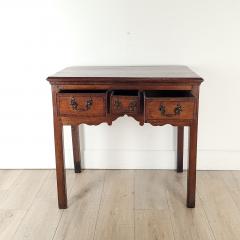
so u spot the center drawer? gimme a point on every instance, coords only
(165, 104)
(124, 102)
(82, 103)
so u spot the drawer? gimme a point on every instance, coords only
(124, 102)
(82, 103)
(162, 105)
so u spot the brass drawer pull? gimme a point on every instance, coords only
(177, 111)
(132, 107)
(117, 104)
(75, 106)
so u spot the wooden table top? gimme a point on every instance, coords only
(164, 73)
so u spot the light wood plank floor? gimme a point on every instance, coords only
(119, 205)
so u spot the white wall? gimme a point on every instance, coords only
(41, 37)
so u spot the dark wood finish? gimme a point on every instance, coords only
(127, 103)
(160, 105)
(127, 86)
(157, 95)
(180, 141)
(123, 74)
(82, 104)
(192, 159)
(163, 109)
(59, 153)
(191, 182)
(76, 148)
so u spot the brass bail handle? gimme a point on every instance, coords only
(75, 105)
(132, 107)
(177, 110)
(117, 104)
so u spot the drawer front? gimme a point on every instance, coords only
(124, 104)
(157, 109)
(86, 105)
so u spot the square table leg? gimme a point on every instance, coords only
(60, 164)
(76, 148)
(191, 178)
(59, 154)
(180, 140)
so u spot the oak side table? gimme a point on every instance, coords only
(157, 95)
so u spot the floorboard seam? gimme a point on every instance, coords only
(204, 212)
(169, 209)
(30, 205)
(14, 181)
(99, 205)
(62, 213)
(230, 192)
